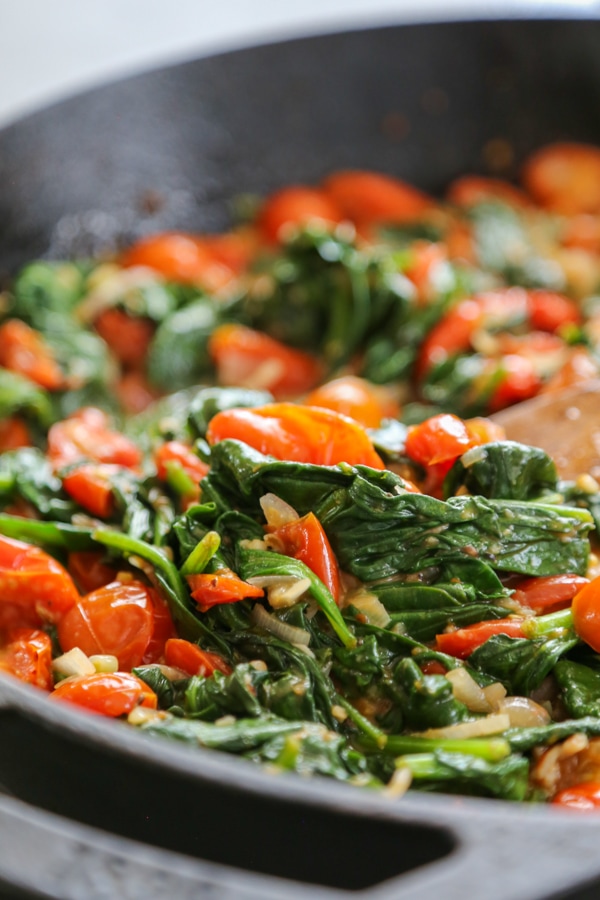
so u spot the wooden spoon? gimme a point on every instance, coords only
(565, 424)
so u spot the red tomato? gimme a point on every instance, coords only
(565, 178)
(248, 358)
(109, 695)
(186, 258)
(90, 485)
(548, 593)
(87, 435)
(179, 454)
(468, 190)
(34, 587)
(426, 260)
(295, 206)
(549, 311)
(584, 797)
(463, 641)
(117, 619)
(192, 660)
(297, 433)
(13, 434)
(89, 571)
(135, 392)
(440, 439)
(305, 539)
(164, 630)
(357, 398)
(24, 350)
(28, 656)
(127, 336)
(371, 198)
(586, 614)
(520, 381)
(223, 586)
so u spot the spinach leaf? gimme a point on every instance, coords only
(461, 773)
(580, 688)
(503, 470)
(520, 664)
(178, 354)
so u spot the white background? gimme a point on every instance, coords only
(49, 48)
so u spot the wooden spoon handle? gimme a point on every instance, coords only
(565, 424)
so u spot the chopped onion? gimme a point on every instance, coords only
(494, 694)
(467, 691)
(105, 662)
(74, 662)
(523, 712)
(493, 724)
(276, 511)
(280, 629)
(370, 606)
(139, 715)
(282, 590)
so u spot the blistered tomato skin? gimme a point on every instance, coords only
(34, 587)
(111, 695)
(586, 614)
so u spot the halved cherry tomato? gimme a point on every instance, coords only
(295, 206)
(548, 593)
(28, 656)
(223, 586)
(164, 629)
(24, 350)
(584, 797)
(117, 619)
(519, 381)
(193, 660)
(90, 485)
(297, 433)
(187, 258)
(439, 439)
(178, 453)
(549, 311)
(89, 571)
(34, 587)
(463, 641)
(127, 336)
(87, 435)
(357, 398)
(248, 358)
(586, 614)
(305, 539)
(432, 667)
(469, 190)
(14, 433)
(370, 198)
(565, 178)
(113, 695)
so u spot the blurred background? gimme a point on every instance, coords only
(50, 49)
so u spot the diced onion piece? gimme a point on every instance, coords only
(74, 662)
(467, 691)
(369, 606)
(494, 694)
(282, 590)
(276, 511)
(523, 712)
(105, 662)
(399, 783)
(139, 715)
(474, 455)
(493, 724)
(280, 629)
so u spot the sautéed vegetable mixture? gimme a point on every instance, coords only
(251, 499)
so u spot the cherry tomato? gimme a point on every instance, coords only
(111, 695)
(427, 260)
(28, 656)
(248, 358)
(295, 206)
(463, 641)
(89, 571)
(565, 178)
(117, 619)
(135, 392)
(370, 198)
(14, 433)
(548, 311)
(87, 435)
(297, 433)
(357, 398)
(90, 485)
(186, 258)
(469, 190)
(586, 614)
(127, 336)
(548, 593)
(34, 587)
(163, 631)
(439, 439)
(223, 586)
(192, 660)
(584, 797)
(176, 453)
(305, 539)
(519, 381)
(24, 350)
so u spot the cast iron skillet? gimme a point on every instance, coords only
(170, 149)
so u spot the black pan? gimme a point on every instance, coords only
(170, 149)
